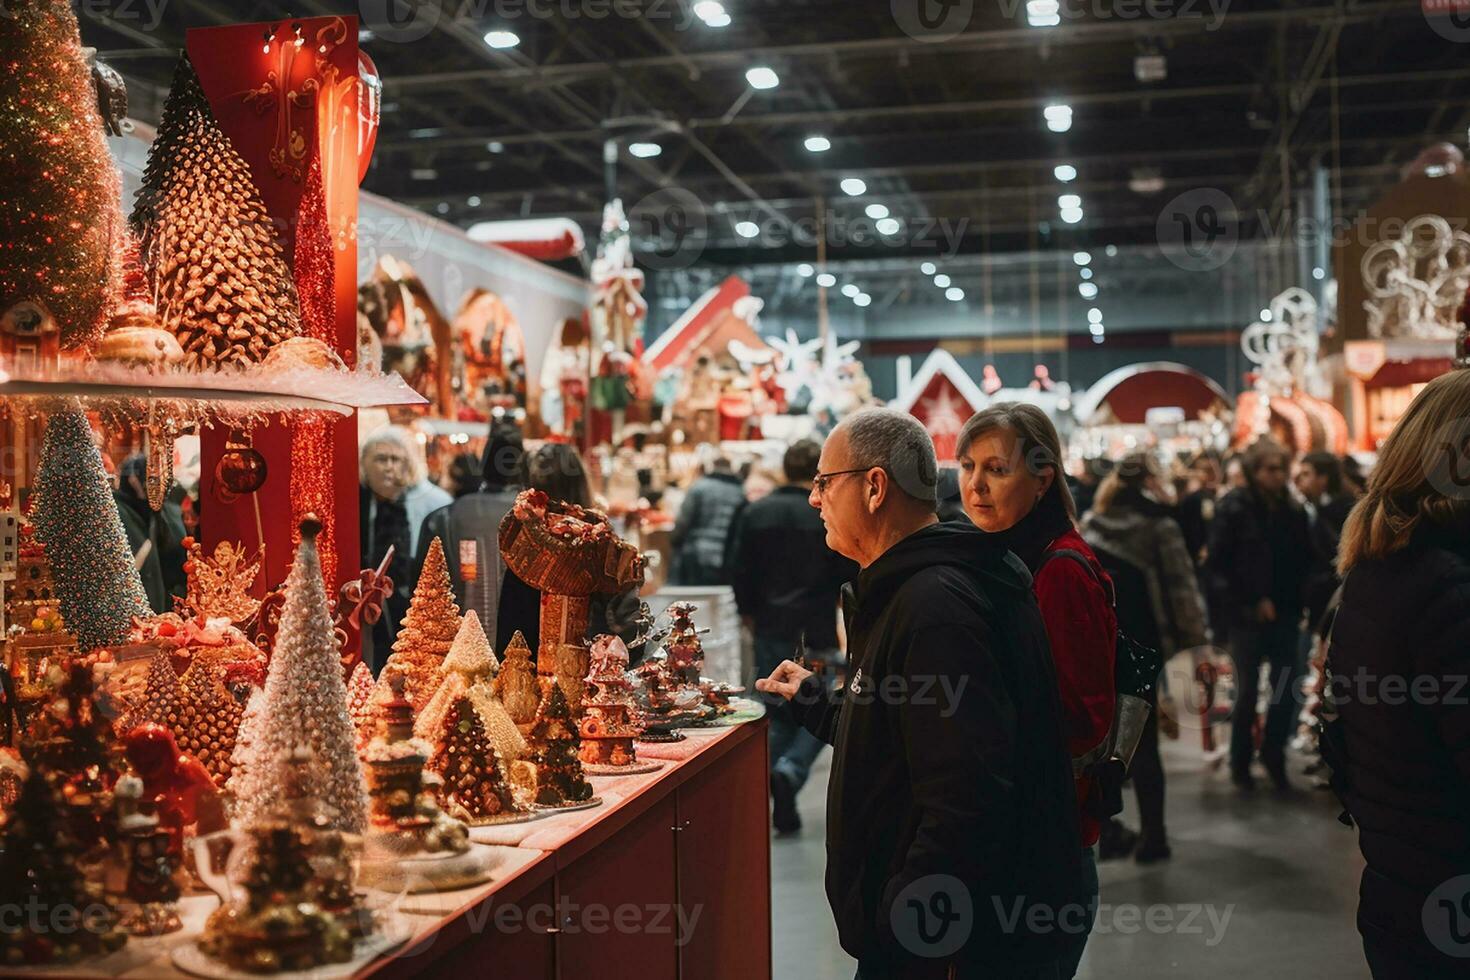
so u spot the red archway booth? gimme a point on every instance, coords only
(1381, 377)
(1129, 392)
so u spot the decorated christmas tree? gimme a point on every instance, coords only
(219, 274)
(426, 633)
(210, 715)
(76, 520)
(277, 896)
(161, 703)
(395, 769)
(469, 671)
(559, 777)
(360, 702)
(39, 872)
(476, 788)
(305, 704)
(516, 685)
(59, 222)
(72, 741)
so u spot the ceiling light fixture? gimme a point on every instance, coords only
(826, 280)
(1094, 315)
(850, 290)
(942, 281)
(876, 211)
(500, 40)
(1069, 201)
(853, 186)
(862, 299)
(1043, 13)
(928, 268)
(888, 226)
(817, 144)
(645, 150)
(1071, 215)
(762, 77)
(805, 270)
(1064, 172)
(747, 229)
(1085, 272)
(954, 294)
(1082, 258)
(1087, 290)
(1058, 117)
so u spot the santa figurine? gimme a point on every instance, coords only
(176, 785)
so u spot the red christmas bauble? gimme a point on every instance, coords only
(241, 470)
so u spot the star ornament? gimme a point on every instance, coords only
(942, 414)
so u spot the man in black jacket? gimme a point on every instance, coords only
(952, 839)
(1260, 554)
(786, 586)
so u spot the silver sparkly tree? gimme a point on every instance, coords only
(305, 702)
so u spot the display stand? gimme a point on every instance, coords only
(694, 836)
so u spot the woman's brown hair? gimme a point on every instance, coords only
(1037, 441)
(1420, 477)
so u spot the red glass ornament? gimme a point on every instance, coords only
(241, 468)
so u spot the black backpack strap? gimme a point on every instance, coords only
(1080, 559)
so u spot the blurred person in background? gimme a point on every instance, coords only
(1197, 506)
(1014, 489)
(161, 532)
(1260, 554)
(1354, 480)
(557, 470)
(393, 501)
(464, 475)
(1403, 765)
(1088, 479)
(1319, 481)
(1158, 604)
(469, 528)
(787, 582)
(702, 529)
(1235, 472)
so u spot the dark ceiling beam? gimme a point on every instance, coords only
(970, 42)
(972, 107)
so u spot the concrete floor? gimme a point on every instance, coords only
(1281, 867)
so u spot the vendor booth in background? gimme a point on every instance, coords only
(1285, 400)
(1403, 272)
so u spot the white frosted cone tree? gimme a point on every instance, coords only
(305, 702)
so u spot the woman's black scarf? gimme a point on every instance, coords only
(1033, 534)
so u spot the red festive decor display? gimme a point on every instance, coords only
(608, 726)
(177, 787)
(241, 468)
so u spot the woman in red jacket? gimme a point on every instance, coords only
(1012, 484)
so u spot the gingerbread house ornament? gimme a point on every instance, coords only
(941, 396)
(609, 724)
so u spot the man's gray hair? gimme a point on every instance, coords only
(897, 442)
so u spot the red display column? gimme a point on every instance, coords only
(286, 93)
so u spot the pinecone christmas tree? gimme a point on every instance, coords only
(161, 702)
(426, 634)
(218, 271)
(38, 871)
(476, 788)
(559, 777)
(305, 704)
(76, 520)
(60, 216)
(210, 715)
(516, 685)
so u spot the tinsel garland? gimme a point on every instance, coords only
(57, 230)
(76, 520)
(312, 458)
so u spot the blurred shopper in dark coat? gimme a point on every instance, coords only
(1400, 660)
(702, 529)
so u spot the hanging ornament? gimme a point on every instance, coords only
(369, 110)
(158, 452)
(241, 468)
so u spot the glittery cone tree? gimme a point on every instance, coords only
(516, 685)
(59, 217)
(475, 788)
(218, 271)
(305, 704)
(559, 777)
(468, 672)
(426, 634)
(76, 519)
(360, 703)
